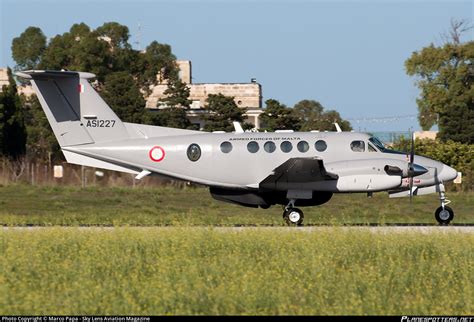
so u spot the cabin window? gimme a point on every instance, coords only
(358, 146)
(286, 146)
(194, 152)
(303, 146)
(269, 146)
(252, 147)
(226, 147)
(320, 145)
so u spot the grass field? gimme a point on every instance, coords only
(190, 267)
(254, 271)
(29, 205)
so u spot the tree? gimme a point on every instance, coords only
(41, 144)
(170, 117)
(308, 113)
(12, 122)
(117, 33)
(311, 116)
(445, 77)
(28, 48)
(221, 111)
(106, 50)
(177, 94)
(177, 102)
(123, 95)
(79, 49)
(158, 59)
(124, 58)
(101, 51)
(278, 116)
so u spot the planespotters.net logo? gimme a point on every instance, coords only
(437, 319)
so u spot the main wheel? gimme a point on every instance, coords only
(293, 216)
(444, 216)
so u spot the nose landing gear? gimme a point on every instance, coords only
(292, 215)
(444, 214)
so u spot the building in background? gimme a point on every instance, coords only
(246, 95)
(3, 78)
(425, 135)
(22, 89)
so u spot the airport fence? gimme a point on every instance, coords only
(35, 173)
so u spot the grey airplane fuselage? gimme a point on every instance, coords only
(253, 169)
(357, 170)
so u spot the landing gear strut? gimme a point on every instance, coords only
(444, 214)
(292, 215)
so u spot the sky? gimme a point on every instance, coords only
(348, 55)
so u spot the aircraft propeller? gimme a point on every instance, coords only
(411, 166)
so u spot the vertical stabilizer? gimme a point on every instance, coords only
(75, 111)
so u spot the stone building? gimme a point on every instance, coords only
(22, 89)
(3, 77)
(246, 95)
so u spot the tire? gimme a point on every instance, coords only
(293, 217)
(445, 216)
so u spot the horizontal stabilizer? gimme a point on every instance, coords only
(80, 159)
(30, 74)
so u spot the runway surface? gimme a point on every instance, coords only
(423, 229)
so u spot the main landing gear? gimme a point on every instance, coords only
(444, 214)
(293, 216)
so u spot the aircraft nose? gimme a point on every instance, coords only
(448, 173)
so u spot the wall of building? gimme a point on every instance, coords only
(3, 77)
(245, 95)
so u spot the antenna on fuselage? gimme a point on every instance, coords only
(238, 128)
(338, 128)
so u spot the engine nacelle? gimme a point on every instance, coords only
(368, 182)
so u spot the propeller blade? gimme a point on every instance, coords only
(411, 188)
(411, 170)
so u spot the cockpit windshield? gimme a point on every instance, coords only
(382, 147)
(377, 143)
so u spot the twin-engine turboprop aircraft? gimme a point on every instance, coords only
(249, 169)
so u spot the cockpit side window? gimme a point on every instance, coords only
(371, 148)
(358, 146)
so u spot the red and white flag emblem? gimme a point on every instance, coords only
(80, 88)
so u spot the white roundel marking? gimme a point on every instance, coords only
(157, 153)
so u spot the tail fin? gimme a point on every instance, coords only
(76, 112)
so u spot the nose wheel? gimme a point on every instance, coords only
(444, 214)
(293, 216)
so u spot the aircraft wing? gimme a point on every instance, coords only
(297, 171)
